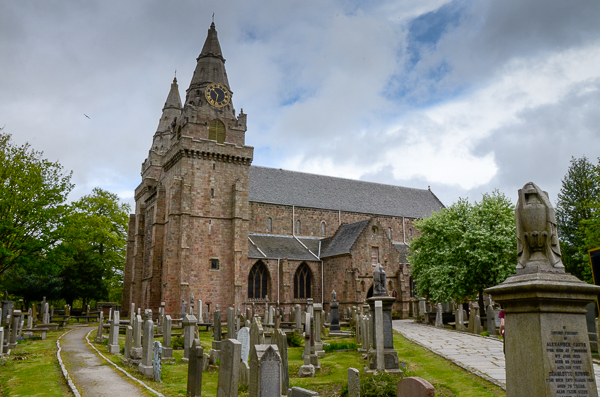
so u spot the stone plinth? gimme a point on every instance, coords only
(389, 353)
(547, 345)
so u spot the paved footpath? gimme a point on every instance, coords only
(91, 374)
(482, 356)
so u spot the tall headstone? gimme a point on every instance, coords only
(423, 310)
(136, 350)
(474, 325)
(190, 323)
(156, 361)
(460, 319)
(230, 323)
(167, 350)
(145, 366)
(195, 367)
(16, 319)
(281, 342)
(335, 316)
(438, 316)
(1, 340)
(182, 308)
(266, 318)
(243, 336)
(100, 327)
(353, 382)
(544, 310)
(318, 316)
(491, 320)
(265, 372)
(307, 370)
(298, 319)
(128, 343)
(229, 371)
(256, 332)
(199, 310)
(113, 339)
(380, 360)
(131, 313)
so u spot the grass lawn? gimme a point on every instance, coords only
(447, 378)
(32, 369)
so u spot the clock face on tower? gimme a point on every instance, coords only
(217, 95)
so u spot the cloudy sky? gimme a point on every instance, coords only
(462, 96)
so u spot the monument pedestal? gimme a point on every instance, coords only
(547, 346)
(335, 316)
(389, 353)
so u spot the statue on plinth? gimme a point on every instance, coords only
(379, 280)
(537, 238)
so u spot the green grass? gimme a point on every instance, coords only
(448, 379)
(32, 369)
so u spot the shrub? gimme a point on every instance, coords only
(330, 347)
(178, 343)
(485, 333)
(396, 315)
(294, 339)
(379, 385)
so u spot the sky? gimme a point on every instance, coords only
(463, 97)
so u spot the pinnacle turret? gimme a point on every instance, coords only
(171, 110)
(173, 99)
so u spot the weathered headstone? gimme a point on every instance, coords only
(438, 316)
(167, 350)
(100, 327)
(195, 368)
(380, 360)
(353, 382)
(335, 316)
(544, 310)
(229, 371)
(244, 374)
(318, 316)
(491, 320)
(243, 336)
(307, 370)
(199, 310)
(128, 343)
(265, 372)
(281, 342)
(136, 350)
(256, 332)
(189, 332)
(156, 361)
(459, 324)
(230, 323)
(415, 387)
(298, 319)
(301, 392)
(145, 366)
(473, 314)
(113, 339)
(16, 319)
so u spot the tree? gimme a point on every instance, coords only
(33, 191)
(575, 208)
(464, 249)
(95, 239)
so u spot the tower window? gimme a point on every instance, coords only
(390, 233)
(216, 131)
(269, 225)
(298, 224)
(214, 264)
(213, 166)
(212, 193)
(323, 228)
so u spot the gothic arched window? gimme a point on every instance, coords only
(258, 281)
(216, 131)
(302, 282)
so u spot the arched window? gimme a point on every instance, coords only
(258, 281)
(298, 226)
(409, 234)
(216, 131)
(269, 225)
(302, 282)
(390, 233)
(323, 228)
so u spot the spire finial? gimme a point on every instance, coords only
(213, 18)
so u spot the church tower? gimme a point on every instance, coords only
(189, 235)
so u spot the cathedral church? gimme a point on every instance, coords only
(208, 224)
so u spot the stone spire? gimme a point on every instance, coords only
(171, 110)
(211, 64)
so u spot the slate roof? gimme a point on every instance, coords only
(276, 186)
(403, 250)
(275, 246)
(344, 238)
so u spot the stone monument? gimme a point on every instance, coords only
(547, 346)
(335, 314)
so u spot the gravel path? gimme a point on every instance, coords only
(92, 375)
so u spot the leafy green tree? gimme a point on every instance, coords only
(464, 249)
(94, 247)
(576, 209)
(33, 191)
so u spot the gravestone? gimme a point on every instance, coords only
(16, 319)
(590, 317)
(182, 308)
(231, 323)
(229, 371)
(145, 366)
(217, 330)
(136, 350)
(243, 336)
(100, 328)
(415, 387)
(335, 317)
(161, 319)
(167, 350)
(544, 310)
(307, 370)
(460, 318)
(249, 315)
(438, 316)
(199, 310)
(491, 320)
(256, 332)
(1, 341)
(379, 358)
(353, 382)
(189, 333)
(474, 319)
(318, 317)
(131, 313)
(265, 372)
(389, 353)
(195, 368)
(281, 342)
(156, 361)
(301, 392)
(244, 374)
(298, 319)
(128, 343)
(113, 339)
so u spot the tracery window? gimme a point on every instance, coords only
(303, 282)
(258, 281)
(216, 131)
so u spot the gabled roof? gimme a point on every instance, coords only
(402, 248)
(276, 186)
(344, 238)
(268, 246)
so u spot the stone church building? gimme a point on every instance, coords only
(208, 223)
